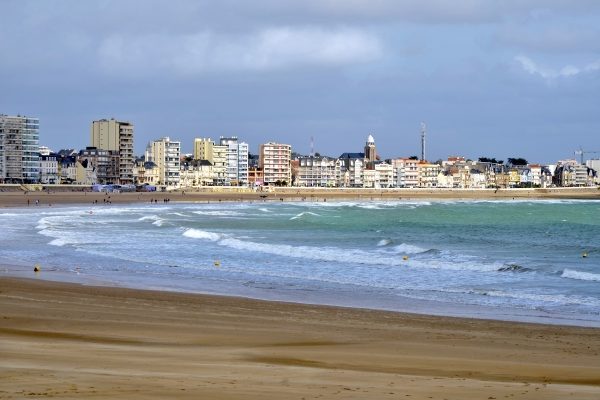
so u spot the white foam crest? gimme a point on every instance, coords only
(199, 234)
(409, 249)
(159, 222)
(580, 275)
(311, 253)
(456, 264)
(265, 210)
(384, 242)
(149, 218)
(58, 242)
(179, 214)
(303, 213)
(219, 213)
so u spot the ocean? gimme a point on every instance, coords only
(533, 261)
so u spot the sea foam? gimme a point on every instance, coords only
(580, 275)
(199, 234)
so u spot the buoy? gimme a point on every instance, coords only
(405, 258)
(37, 268)
(584, 255)
(217, 263)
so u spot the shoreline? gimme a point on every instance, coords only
(62, 195)
(413, 306)
(74, 341)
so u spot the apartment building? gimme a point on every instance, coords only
(407, 172)
(275, 161)
(236, 155)
(105, 164)
(49, 169)
(206, 149)
(19, 149)
(197, 173)
(116, 136)
(318, 171)
(165, 154)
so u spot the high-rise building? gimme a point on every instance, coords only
(275, 161)
(116, 136)
(19, 149)
(203, 149)
(206, 149)
(237, 161)
(165, 153)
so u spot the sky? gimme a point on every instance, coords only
(498, 79)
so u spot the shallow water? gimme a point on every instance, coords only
(520, 260)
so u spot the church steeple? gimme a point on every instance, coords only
(370, 152)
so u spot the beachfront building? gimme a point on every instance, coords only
(594, 165)
(256, 177)
(67, 168)
(206, 149)
(115, 136)
(196, 173)
(236, 155)
(104, 164)
(19, 149)
(407, 172)
(145, 172)
(352, 167)
(85, 173)
(165, 154)
(49, 169)
(275, 162)
(571, 173)
(428, 173)
(317, 171)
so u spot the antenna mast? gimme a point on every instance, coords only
(423, 130)
(312, 146)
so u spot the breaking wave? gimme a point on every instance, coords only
(580, 275)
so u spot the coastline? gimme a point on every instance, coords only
(73, 341)
(67, 195)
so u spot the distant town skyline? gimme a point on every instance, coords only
(490, 79)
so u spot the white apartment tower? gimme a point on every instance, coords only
(19, 149)
(237, 161)
(165, 153)
(116, 136)
(275, 161)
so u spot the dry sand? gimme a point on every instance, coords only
(64, 195)
(71, 341)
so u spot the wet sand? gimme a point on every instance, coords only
(71, 341)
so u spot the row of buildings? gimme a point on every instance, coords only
(227, 162)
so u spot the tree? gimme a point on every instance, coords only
(490, 160)
(517, 161)
(413, 158)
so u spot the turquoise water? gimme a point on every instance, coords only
(520, 260)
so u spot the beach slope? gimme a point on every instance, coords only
(70, 341)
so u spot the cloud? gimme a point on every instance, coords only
(535, 38)
(548, 73)
(267, 49)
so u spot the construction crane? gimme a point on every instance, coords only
(582, 152)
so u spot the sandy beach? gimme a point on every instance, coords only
(70, 341)
(65, 195)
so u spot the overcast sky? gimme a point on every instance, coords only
(490, 78)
